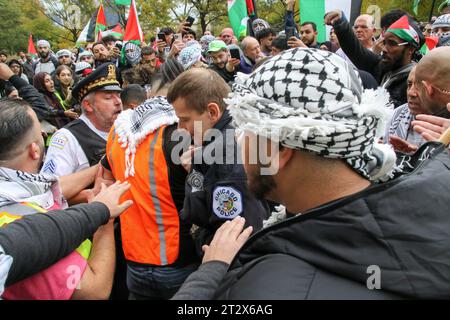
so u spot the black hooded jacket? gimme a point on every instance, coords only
(395, 81)
(218, 191)
(400, 228)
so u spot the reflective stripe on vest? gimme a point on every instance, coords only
(16, 211)
(150, 227)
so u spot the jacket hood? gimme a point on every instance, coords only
(401, 226)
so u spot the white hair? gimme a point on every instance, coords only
(89, 98)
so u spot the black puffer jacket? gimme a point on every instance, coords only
(402, 226)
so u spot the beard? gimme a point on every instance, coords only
(396, 64)
(44, 55)
(261, 185)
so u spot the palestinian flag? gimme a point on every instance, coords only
(100, 24)
(315, 10)
(31, 48)
(133, 31)
(430, 44)
(402, 29)
(116, 32)
(251, 8)
(238, 15)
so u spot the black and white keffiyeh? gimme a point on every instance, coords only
(313, 100)
(133, 126)
(132, 53)
(41, 189)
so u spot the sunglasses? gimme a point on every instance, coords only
(392, 43)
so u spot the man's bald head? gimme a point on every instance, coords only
(251, 48)
(433, 80)
(435, 68)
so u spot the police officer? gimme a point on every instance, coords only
(216, 186)
(82, 143)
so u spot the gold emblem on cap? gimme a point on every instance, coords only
(111, 72)
(101, 82)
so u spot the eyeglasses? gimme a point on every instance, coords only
(392, 43)
(360, 27)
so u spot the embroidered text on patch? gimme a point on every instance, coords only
(227, 202)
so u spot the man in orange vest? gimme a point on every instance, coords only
(158, 247)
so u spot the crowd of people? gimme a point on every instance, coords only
(140, 171)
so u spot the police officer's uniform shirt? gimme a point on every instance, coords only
(65, 155)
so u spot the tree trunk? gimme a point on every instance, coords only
(203, 22)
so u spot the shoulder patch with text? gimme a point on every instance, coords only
(59, 142)
(227, 202)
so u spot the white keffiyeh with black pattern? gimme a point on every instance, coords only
(133, 126)
(313, 100)
(41, 189)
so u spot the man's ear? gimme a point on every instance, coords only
(428, 88)
(87, 106)
(34, 151)
(285, 155)
(214, 112)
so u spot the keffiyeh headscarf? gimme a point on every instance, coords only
(313, 100)
(205, 41)
(259, 24)
(41, 189)
(443, 21)
(133, 57)
(189, 56)
(134, 125)
(43, 43)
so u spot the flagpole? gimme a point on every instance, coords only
(432, 9)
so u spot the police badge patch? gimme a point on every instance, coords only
(195, 180)
(227, 202)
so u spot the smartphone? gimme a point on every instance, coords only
(118, 45)
(290, 32)
(235, 54)
(190, 20)
(162, 36)
(177, 36)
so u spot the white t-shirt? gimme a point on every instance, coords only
(65, 155)
(48, 67)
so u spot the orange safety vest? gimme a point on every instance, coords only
(150, 227)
